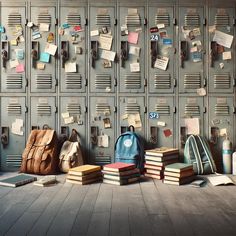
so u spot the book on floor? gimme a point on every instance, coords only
(178, 167)
(154, 176)
(17, 180)
(153, 167)
(185, 180)
(89, 181)
(197, 183)
(91, 175)
(155, 172)
(161, 163)
(181, 174)
(120, 178)
(118, 167)
(122, 182)
(161, 158)
(162, 151)
(217, 180)
(123, 173)
(46, 181)
(84, 169)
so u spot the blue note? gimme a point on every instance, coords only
(167, 41)
(20, 54)
(2, 29)
(44, 57)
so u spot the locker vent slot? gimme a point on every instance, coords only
(73, 108)
(132, 81)
(192, 81)
(44, 110)
(221, 109)
(73, 81)
(14, 19)
(43, 81)
(102, 160)
(103, 20)
(14, 109)
(162, 81)
(222, 81)
(192, 20)
(102, 81)
(162, 109)
(133, 20)
(14, 81)
(73, 19)
(162, 19)
(132, 109)
(103, 109)
(44, 18)
(13, 160)
(192, 110)
(222, 20)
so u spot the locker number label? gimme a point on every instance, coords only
(153, 115)
(154, 37)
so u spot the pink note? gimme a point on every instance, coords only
(20, 68)
(133, 37)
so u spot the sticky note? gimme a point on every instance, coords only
(40, 66)
(226, 55)
(14, 42)
(70, 67)
(44, 57)
(2, 29)
(167, 41)
(14, 63)
(44, 27)
(50, 49)
(20, 68)
(167, 133)
(19, 54)
(133, 37)
(77, 28)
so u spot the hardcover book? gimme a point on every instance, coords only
(178, 167)
(154, 176)
(46, 180)
(161, 158)
(181, 174)
(84, 169)
(92, 175)
(220, 180)
(153, 167)
(89, 181)
(118, 167)
(162, 151)
(123, 173)
(161, 163)
(120, 178)
(123, 182)
(155, 172)
(185, 180)
(17, 180)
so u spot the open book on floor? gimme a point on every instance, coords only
(217, 180)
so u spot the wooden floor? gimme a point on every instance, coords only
(145, 208)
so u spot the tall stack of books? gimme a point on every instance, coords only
(156, 160)
(85, 174)
(178, 174)
(120, 173)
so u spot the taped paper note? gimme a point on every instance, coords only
(20, 68)
(70, 67)
(40, 66)
(16, 127)
(167, 133)
(124, 30)
(133, 37)
(135, 120)
(13, 42)
(94, 33)
(160, 26)
(14, 63)
(103, 141)
(19, 54)
(108, 55)
(65, 115)
(134, 50)
(50, 49)
(226, 55)
(105, 41)
(44, 57)
(223, 132)
(223, 39)
(161, 123)
(69, 120)
(44, 27)
(192, 125)
(161, 63)
(134, 67)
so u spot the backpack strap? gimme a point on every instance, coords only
(74, 136)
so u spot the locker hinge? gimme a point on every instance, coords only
(85, 109)
(234, 82)
(205, 110)
(115, 109)
(86, 21)
(145, 82)
(234, 21)
(56, 109)
(26, 82)
(174, 21)
(56, 21)
(145, 21)
(204, 21)
(204, 82)
(26, 21)
(26, 109)
(115, 82)
(86, 82)
(145, 109)
(56, 82)
(115, 21)
(175, 82)
(174, 109)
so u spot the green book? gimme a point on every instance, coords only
(17, 180)
(178, 167)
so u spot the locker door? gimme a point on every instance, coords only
(73, 49)
(76, 117)
(102, 129)
(221, 57)
(132, 112)
(131, 47)
(190, 107)
(13, 77)
(13, 132)
(191, 49)
(43, 45)
(161, 44)
(43, 112)
(161, 122)
(102, 77)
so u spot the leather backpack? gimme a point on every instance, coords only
(71, 153)
(40, 155)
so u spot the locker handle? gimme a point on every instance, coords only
(35, 53)
(145, 21)
(124, 53)
(154, 52)
(204, 82)
(213, 53)
(174, 109)
(26, 82)
(86, 21)
(234, 110)
(94, 52)
(153, 134)
(5, 53)
(175, 82)
(234, 82)
(64, 52)
(115, 21)
(94, 135)
(115, 82)
(174, 21)
(5, 136)
(56, 82)
(183, 52)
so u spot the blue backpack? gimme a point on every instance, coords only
(129, 149)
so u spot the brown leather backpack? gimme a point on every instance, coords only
(40, 155)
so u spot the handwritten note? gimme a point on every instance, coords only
(70, 67)
(50, 49)
(105, 41)
(108, 55)
(44, 27)
(134, 67)
(44, 57)
(192, 125)
(226, 55)
(133, 37)
(223, 39)
(20, 68)
(94, 33)
(161, 63)
(14, 63)
(134, 50)
(135, 120)
(16, 127)
(103, 141)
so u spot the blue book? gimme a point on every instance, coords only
(17, 180)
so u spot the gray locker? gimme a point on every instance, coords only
(73, 48)
(13, 131)
(131, 49)
(13, 78)
(221, 69)
(129, 107)
(161, 43)
(102, 126)
(102, 72)
(76, 117)
(43, 112)
(43, 35)
(190, 107)
(191, 49)
(161, 121)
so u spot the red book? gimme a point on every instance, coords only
(119, 167)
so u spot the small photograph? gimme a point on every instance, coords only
(107, 123)
(107, 64)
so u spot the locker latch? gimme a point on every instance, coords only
(94, 52)
(153, 136)
(154, 52)
(35, 53)
(213, 53)
(124, 52)
(64, 52)
(5, 53)
(183, 52)
(5, 136)
(94, 135)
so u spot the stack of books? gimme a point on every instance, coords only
(156, 160)
(120, 173)
(85, 174)
(178, 174)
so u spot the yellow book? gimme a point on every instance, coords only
(84, 169)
